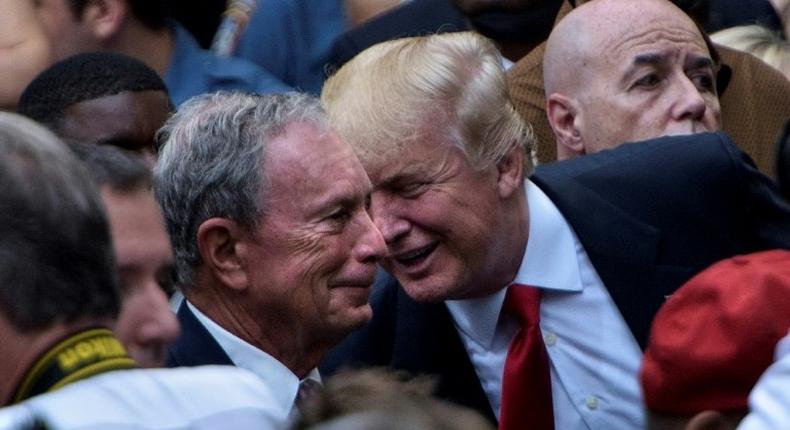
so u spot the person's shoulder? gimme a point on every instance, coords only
(240, 74)
(769, 401)
(17, 417)
(698, 151)
(163, 398)
(194, 70)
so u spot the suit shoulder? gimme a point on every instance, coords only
(680, 153)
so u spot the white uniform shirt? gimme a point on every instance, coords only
(284, 383)
(594, 358)
(769, 401)
(203, 397)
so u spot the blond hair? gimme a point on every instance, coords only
(758, 41)
(403, 90)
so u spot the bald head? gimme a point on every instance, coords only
(619, 57)
(594, 29)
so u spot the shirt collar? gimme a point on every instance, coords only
(285, 383)
(477, 318)
(551, 259)
(550, 242)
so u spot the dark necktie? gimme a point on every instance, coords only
(526, 383)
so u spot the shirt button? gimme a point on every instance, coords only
(550, 339)
(592, 402)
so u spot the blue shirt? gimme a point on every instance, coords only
(293, 39)
(193, 71)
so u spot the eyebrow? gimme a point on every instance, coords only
(338, 199)
(699, 62)
(654, 59)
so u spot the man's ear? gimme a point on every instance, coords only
(222, 251)
(105, 18)
(510, 170)
(562, 113)
(707, 420)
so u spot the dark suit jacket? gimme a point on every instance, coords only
(649, 215)
(195, 346)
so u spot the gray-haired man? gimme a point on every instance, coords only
(275, 252)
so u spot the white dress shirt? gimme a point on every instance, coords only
(203, 397)
(769, 401)
(284, 383)
(594, 357)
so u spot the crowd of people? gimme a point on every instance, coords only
(424, 214)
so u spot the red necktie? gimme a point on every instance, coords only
(526, 383)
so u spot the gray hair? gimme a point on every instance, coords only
(211, 164)
(56, 258)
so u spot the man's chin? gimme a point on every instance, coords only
(356, 318)
(148, 357)
(423, 292)
(349, 322)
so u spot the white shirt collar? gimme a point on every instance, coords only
(284, 383)
(551, 240)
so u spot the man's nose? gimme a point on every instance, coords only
(689, 103)
(387, 221)
(371, 246)
(162, 326)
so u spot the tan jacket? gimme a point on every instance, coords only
(754, 107)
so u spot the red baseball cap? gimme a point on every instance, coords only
(714, 337)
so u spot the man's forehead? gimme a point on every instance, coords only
(617, 28)
(645, 42)
(316, 161)
(407, 160)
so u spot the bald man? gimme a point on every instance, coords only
(755, 98)
(617, 71)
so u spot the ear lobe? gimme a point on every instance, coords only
(562, 118)
(510, 171)
(105, 18)
(222, 251)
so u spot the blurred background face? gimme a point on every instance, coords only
(128, 120)
(144, 260)
(66, 35)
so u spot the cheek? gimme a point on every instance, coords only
(434, 211)
(315, 257)
(713, 113)
(132, 316)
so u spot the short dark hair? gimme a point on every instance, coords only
(152, 13)
(56, 256)
(84, 77)
(114, 167)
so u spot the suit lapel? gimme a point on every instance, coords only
(195, 346)
(623, 249)
(427, 342)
